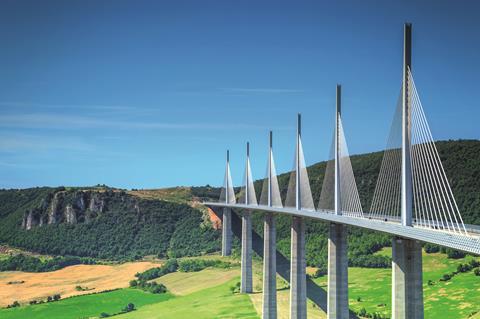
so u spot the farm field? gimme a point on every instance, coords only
(214, 302)
(38, 286)
(87, 306)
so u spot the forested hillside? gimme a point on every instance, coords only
(115, 224)
(461, 160)
(126, 227)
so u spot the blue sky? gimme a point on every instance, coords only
(148, 94)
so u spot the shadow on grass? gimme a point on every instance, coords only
(314, 292)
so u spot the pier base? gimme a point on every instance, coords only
(269, 268)
(337, 307)
(407, 289)
(298, 281)
(246, 276)
(227, 232)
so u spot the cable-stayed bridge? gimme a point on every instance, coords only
(412, 201)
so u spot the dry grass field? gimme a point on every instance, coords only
(181, 284)
(38, 286)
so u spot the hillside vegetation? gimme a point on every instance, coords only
(126, 227)
(114, 224)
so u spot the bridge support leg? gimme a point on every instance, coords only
(227, 232)
(407, 290)
(337, 307)
(298, 281)
(246, 277)
(269, 268)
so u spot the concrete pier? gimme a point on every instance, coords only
(246, 284)
(269, 268)
(298, 280)
(226, 232)
(407, 289)
(337, 307)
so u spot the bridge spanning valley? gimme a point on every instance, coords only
(412, 201)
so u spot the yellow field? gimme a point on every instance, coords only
(39, 286)
(173, 194)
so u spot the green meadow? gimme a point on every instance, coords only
(207, 294)
(215, 302)
(86, 306)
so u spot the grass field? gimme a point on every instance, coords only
(86, 306)
(38, 286)
(457, 298)
(206, 294)
(214, 302)
(181, 284)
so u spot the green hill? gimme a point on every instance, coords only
(114, 224)
(103, 223)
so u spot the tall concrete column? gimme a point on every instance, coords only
(226, 232)
(269, 268)
(337, 306)
(298, 280)
(407, 289)
(246, 276)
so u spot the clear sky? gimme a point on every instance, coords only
(143, 94)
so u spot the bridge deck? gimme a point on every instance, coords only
(470, 243)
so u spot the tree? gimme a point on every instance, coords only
(129, 307)
(56, 297)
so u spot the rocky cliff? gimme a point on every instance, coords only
(72, 207)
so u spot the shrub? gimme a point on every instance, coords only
(193, 265)
(14, 304)
(236, 288)
(129, 307)
(170, 265)
(104, 315)
(152, 287)
(464, 268)
(454, 254)
(477, 272)
(431, 248)
(363, 312)
(446, 277)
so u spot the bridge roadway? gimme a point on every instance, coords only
(467, 243)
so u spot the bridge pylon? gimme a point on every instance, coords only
(227, 212)
(269, 309)
(407, 289)
(337, 303)
(298, 281)
(246, 284)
